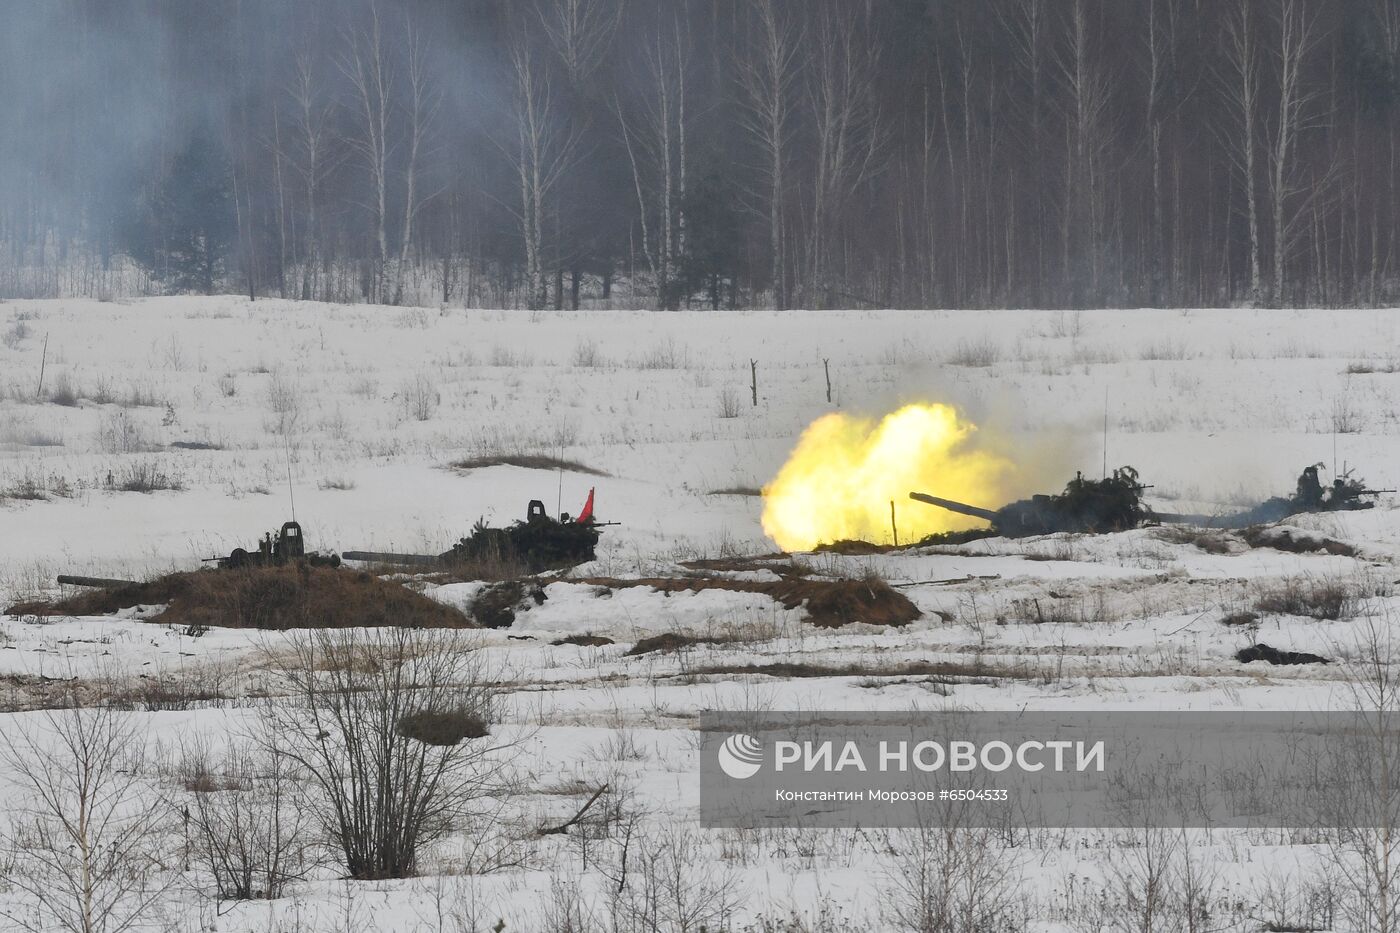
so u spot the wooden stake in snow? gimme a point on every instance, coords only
(753, 381)
(826, 368)
(43, 361)
(894, 529)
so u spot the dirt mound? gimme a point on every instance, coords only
(1295, 541)
(666, 642)
(583, 641)
(1263, 652)
(496, 605)
(266, 598)
(829, 603)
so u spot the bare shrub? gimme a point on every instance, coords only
(140, 395)
(420, 397)
(284, 402)
(507, 357)
(1347, 418)
(731, 403)
(980, 352)
(87, 827)
(15, 335)
(586, 355)
(382, 792)
(669, 883)
(1067, 324)
(251, 832)
(1356, 793)
(951, 881)
(1164, 349)
(1315, 598)
(144, 476)
(119, 433)
(166, 691)
(63, 392)
(663, 355)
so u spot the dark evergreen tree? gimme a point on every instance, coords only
(183, 227)
(714, 237)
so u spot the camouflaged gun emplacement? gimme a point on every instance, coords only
(287, 546)
(276, 549)
(1345, 494)
(1086, 506)
(539, 543)
(1115, 504)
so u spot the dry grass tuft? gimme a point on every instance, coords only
(1325, 599)
(527, 462)
(583, 641)
(432, 727)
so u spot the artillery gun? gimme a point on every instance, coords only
(1093, 506)
(1115, 504)
(287, 546)
(1345, 494)
(538, 543)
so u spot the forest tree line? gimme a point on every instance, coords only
(705, 153)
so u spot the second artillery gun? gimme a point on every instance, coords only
(1094, 506)
(537, 544)
(1115, 504)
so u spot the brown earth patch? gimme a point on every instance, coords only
(265, 598)
(796, 669)
(828, 603)
(583, 641)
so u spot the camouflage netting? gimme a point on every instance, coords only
(1086, 505)
(539, 544)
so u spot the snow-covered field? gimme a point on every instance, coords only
(362, 411)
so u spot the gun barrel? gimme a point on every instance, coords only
(97, 582)
(962, 508)
(401, 560)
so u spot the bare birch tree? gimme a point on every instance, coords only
(393, 727)
(370, 70)
(657, 150)
(847, 129)
(581, 32)
(541, 153)
(768, 75)
(422, 106)
(88, 828)
(1295, 39)
(1085, 198)
(1241, 96)
(313, 158)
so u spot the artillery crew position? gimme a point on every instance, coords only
(1115, 504)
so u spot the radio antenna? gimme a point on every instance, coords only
(1105, 433)
(291, 496)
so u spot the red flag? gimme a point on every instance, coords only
(587, 514)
